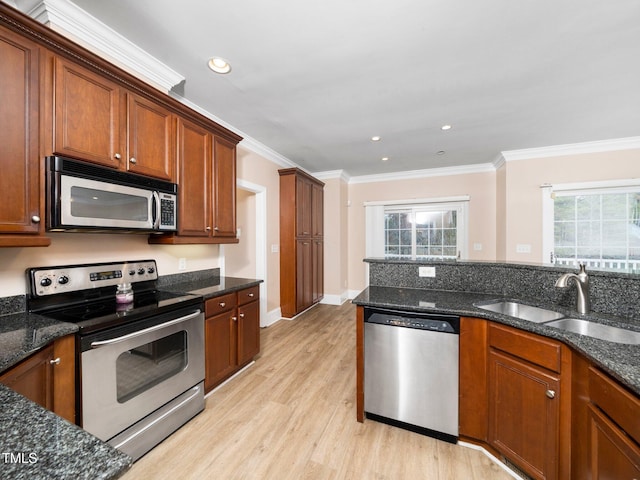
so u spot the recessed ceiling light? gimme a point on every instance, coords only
(219, 65)
(376, 138)
(445, 127)
(384, 159)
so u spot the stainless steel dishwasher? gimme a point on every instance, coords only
(411, 371)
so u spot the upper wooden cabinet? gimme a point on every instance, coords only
(87, 115)
(21, 202)
(206, 188)
(151, 139)
(90, 123)
(301, 241)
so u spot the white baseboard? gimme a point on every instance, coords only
(351, 294)
(271, 317)
(334, 299)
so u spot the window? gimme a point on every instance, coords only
(421, 232)
(432, 229)
(598, 226)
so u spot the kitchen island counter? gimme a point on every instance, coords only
(621, 361)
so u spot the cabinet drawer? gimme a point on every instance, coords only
(620, 405)
(248, 295)
(220, 304)
(532, 348)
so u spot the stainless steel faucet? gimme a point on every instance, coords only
(581, 280)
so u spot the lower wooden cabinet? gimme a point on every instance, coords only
(48, 377)
(232, 334)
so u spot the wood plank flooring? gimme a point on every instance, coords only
(292, 416)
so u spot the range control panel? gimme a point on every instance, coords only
(72, 278)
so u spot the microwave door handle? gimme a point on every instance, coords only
(129, 336)
(156, 210)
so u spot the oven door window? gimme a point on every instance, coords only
(143, 367)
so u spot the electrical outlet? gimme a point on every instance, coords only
(523, 248)
(477, 247)
(182, 264)
(275, 248)
(426, 271)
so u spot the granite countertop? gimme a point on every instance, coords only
(22, 334)
(213, 286)
(37, 444)
(621, 361)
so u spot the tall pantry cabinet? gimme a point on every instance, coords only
(301, 241)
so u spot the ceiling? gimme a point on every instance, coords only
(314, 81)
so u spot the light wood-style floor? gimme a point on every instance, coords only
(292, 416)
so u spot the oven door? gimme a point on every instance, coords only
(129, 372)
(97, 204)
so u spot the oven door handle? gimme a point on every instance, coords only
(129, 336)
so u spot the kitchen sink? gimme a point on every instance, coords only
(522, 311)
(597, 330)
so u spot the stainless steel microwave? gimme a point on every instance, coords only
(86, 197)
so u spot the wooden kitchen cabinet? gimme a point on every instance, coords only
(151, 139)
(87, 115)
(473, 391)
(21, 198)
(301, 241)
(207, 188)
(48, 377)
(232, 334)
(528, 412)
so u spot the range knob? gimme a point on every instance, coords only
(151, 270)
(63, 280)
(45, 282)
(141, 271)
(132, 271)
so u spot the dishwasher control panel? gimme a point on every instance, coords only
(432, 322)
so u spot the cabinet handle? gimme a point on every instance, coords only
(55, 361)
(223, 304)
(35, 219)
(250, 295)
(133, 160)
(550, 394)
(117, 156)
(305, 233)
(235, 319)
(242, 315)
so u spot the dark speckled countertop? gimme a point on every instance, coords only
(212, 287)
(622, 361)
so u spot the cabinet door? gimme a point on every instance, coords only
(613, 454)
(317, 267)
(524, 414)
(194, 178)
(304, 274)
(248, 331)
(19, 152)
(33, 378)
(150, 139)
(303, 207)
(224, 189)
(220, 347)
(87, 115)
(317, 210)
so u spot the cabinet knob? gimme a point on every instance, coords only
(133, 160)
(235, 319)
(117, 156)
(35, 219)
(251, 295)
(55, 361)
(242, 315)
(216, 228)
(223, 304)
(550, 394)
(208, 229)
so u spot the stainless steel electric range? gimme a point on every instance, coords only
(140, 350)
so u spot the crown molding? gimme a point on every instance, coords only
(331, 174)
(426, 173)
(69, 19)
(628, 143)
